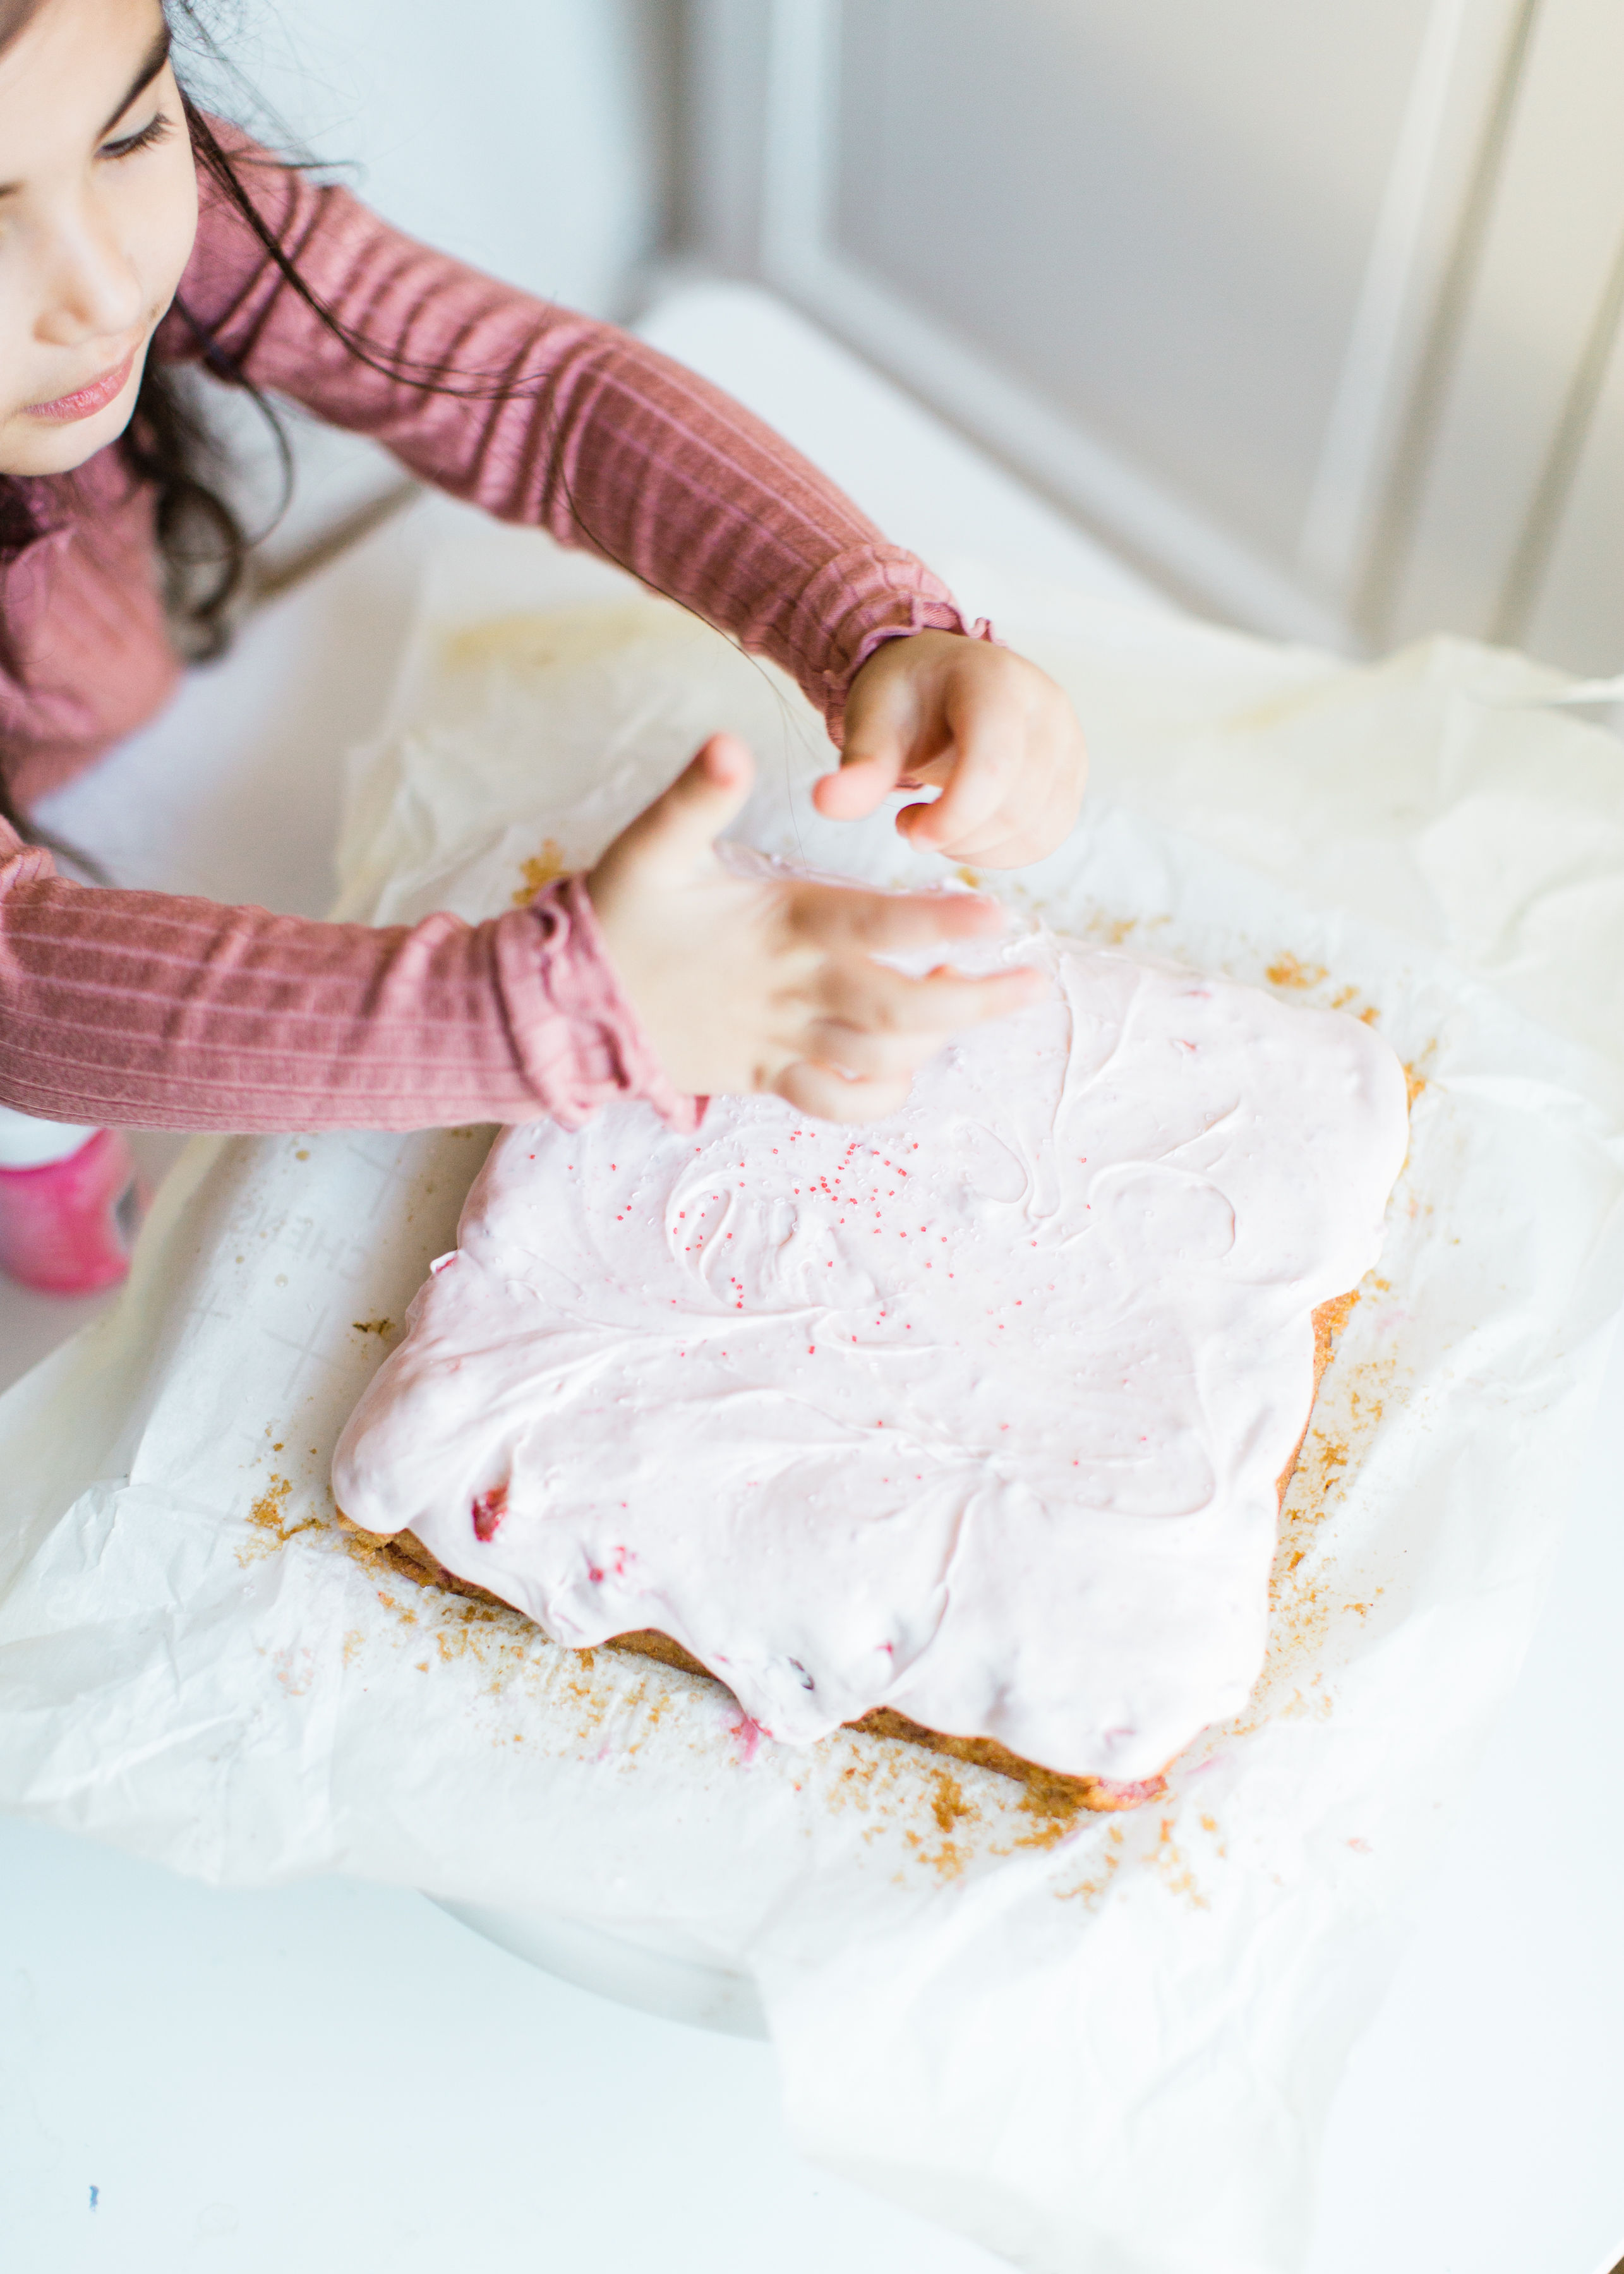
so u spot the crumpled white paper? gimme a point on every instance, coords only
(1105, 2046)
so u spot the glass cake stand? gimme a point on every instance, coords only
(652, 1970)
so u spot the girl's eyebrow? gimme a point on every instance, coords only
(150, 65)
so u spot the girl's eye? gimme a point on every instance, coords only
(157, 129)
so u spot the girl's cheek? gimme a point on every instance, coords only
(155, 224)
(16, 323)
(164, 224)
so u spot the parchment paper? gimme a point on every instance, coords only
(1106, 2044)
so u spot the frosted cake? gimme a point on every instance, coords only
(972, 1424)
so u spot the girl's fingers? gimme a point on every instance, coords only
(998, 734)
(860, 784)
(989, 746)
(677, 832)
(1003, 847)
(879, 734)
(873, 1055)
(867, 996)
(881, 1028)
(1017, 831)
(832, 1096)
(840, 918)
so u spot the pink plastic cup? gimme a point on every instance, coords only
(67, 1227)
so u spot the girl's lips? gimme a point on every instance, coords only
(85, 402)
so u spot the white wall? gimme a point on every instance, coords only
(531, 137)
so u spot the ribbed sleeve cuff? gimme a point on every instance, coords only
(855, 603)
(579, 1040)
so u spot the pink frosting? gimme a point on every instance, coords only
(977, 1414)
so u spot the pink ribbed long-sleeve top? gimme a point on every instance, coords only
(153, 1010)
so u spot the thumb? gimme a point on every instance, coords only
(682, 824)
(871, 765)
(880, 727)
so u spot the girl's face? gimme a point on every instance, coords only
(98, 210)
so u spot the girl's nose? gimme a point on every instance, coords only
(93, 288)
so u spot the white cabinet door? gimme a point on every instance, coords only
(1575, 615)
(1175, 260)
(1514, 523)
(1307, 308)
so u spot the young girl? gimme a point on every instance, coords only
(139, 236)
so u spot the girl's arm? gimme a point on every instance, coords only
(572, 425)
(156, 1011)
(151, 1010)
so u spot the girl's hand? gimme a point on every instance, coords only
(989, 729)
(765, 983)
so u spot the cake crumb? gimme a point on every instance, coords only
(1175, 1871)
(1287, 971)
(269, 1514)
(947, 1801)
(539, 870)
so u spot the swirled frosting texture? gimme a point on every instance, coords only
(977, 1412)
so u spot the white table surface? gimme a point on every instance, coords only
(340, 2077)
